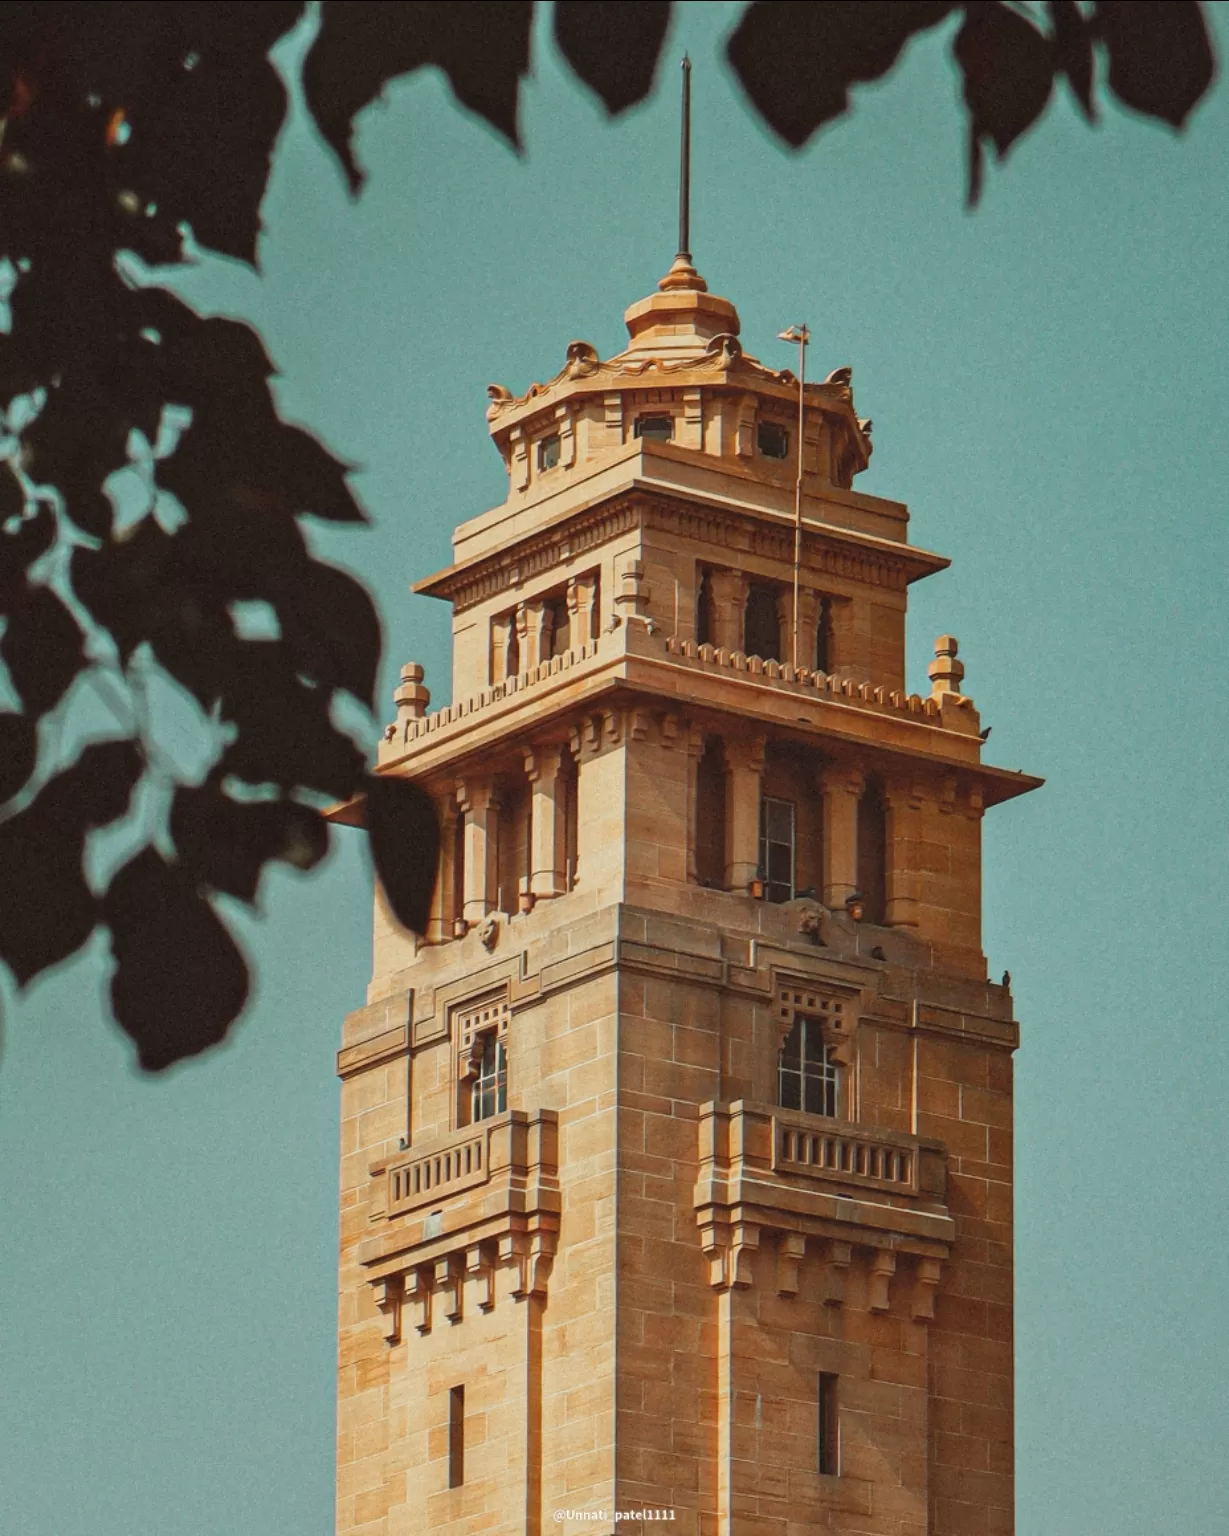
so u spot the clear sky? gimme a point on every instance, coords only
(1049, 386)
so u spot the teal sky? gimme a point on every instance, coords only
(1049, 386)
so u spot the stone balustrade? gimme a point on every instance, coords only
(950, 711)
(815, 1148)
(438, 1174)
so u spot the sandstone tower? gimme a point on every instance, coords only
(676, 1156)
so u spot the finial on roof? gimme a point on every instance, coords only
(684, 250)
(682, 273)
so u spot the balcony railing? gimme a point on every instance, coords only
(845, 1155)
(438, 1174)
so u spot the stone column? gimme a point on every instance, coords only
(842, 788)
(808, 627)
(729, 594)
(903, 805)
(582, 602)
(478, 800)
(744, 771)
(693, 744)
(547, 821)
(439, 923)
(503, 644)
(533, 620)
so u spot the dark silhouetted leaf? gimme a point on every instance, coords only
(12, 496)
(330, 622)
(20, 547)
(180, 980)
(200, 100)
(405, 845)
(482, 46)
(124, 584)
(1008, 69)
(226, 843)
(1073, 52)
(613, 45)
(47, 912)
(285, 734)
(42, 649)
(1160, 55)
(798, 62)
(18, 753)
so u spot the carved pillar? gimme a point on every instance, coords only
(547, 820)
(389, 1294)
(791, 1249)
(843, 640)
(883, 1267)
(503, 647)
(838, 1259)
(903, 805)
(808, 626)
(744, 770)
(693, 745)
(925, 1286)
(518, 461)
(479, 803)
(582, 605)
(533, 621)
(729, 595)
(842, 789)
(439, 923)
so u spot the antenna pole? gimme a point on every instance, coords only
(685, 166)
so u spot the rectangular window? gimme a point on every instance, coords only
(829, 1426)
(809, 1075)
(548, 453)
(659, 428)
(490, 1090)
(777, 848)
(772, 440)
(762, 622)
(456, 1437)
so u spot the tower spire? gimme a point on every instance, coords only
(684, 250)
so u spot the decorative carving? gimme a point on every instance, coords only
(883, 1267)
(488, 932)
(791, 1247)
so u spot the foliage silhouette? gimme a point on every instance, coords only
(122, 127)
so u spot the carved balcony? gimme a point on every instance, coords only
(842, 1186)
(460, 1209)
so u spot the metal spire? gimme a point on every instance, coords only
(684, 249)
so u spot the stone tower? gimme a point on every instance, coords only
(676, 1155)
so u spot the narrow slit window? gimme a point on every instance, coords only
(829, 1426)
(548, 452)
(659, 429)
(772, 440)
(456, 1437)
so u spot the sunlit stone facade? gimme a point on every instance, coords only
(676, 1156)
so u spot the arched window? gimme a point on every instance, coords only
(710, 816)
(872, 852)
(809, 1077)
